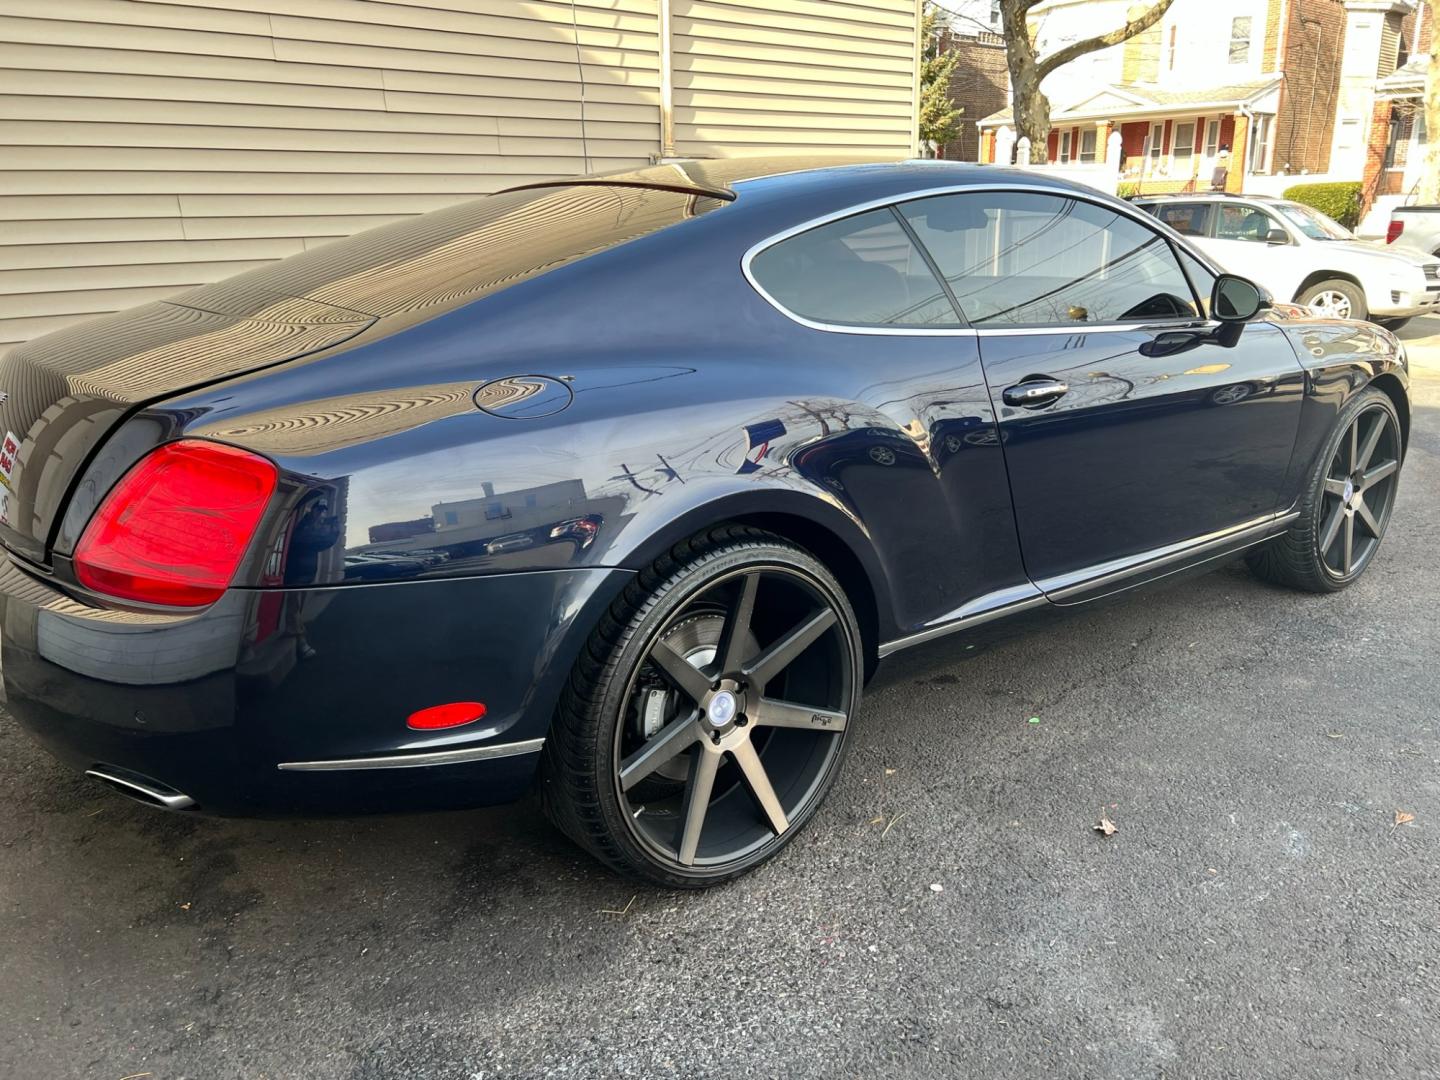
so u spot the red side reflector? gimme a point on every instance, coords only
(174, 529)
(455, 714)
(1393, 232)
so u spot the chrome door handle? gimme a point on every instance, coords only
(1030, 394)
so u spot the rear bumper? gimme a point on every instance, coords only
(220, 705)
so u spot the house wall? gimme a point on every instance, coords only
(980, 85)
(1305, 121)
(760, 76)
(153, 146)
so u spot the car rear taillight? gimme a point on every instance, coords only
(1393, 232)
(174, 529)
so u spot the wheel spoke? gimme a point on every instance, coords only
(687, 678)
(772, 712)
(1354, 446)
(1377, 473)
(1367, 448)
(697, 802)
(759, 784)
(1349, 543)
(737, 625)
(1331, 529)
(1366, 517)
(670, 740)
(784, 652)
(1334, 487)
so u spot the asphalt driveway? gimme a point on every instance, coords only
(951, 912)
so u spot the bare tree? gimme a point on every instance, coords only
(1028, 69)
(1429, 190)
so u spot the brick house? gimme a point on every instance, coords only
(980, 86)
(1251, 84)
(1395, 139)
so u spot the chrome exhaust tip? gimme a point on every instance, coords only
(141, 788)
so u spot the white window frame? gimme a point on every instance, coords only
(1235, 39)
(1090, 135)
(1155, 148)
(1257, 152)
(1065, 145)
(1189, 156)
(1212, 139)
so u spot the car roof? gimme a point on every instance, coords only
(1197, 196)
(841, 175)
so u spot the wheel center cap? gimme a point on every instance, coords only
(722, 709)
(1349, 491)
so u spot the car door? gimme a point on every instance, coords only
(1242, 239)
(899, 428)
(1128, 429)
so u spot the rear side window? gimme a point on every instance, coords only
(1188, 219)
(1024, 259)
(859, 271)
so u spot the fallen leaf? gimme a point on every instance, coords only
(935, 886)
(1033, 720)
(889, 772)
(1106, 826)
(185, 906)
(1333, 735)
(878, 819)
(1403, 818)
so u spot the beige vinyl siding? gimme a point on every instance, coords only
(752, 76)
(148, 146)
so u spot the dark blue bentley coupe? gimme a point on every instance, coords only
(622, 487)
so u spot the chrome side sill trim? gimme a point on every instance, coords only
(965, 622)
(1057, 589)
(411, 761)
(1063, 586)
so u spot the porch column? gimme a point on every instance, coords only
(987, 147)
(1239, 147)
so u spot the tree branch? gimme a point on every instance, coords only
(1147, 19)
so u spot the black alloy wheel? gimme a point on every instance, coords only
(715, 725)
(1348, 506)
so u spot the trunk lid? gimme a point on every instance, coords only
(65, 392)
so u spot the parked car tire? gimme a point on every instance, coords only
(1392, 324)
(1335, 298)
(1346, 505)
(708, 715)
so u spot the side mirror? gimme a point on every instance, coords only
(1234, 299)
(1277, 236)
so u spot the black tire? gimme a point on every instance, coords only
(588, 784)
(1392, 325)
(1306, 556)
(1348, 289)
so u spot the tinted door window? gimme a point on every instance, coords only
(1243, 223)
(859, 271)
(1022, 259)
(1188, 219)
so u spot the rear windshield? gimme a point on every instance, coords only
(457, 254)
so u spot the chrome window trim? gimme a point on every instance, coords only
(1143, 219)
(409, 761)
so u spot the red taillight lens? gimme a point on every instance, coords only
(174, 529)
(1393, 232)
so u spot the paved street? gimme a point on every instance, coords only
(951, 912)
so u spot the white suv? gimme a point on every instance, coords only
(1301, 255)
